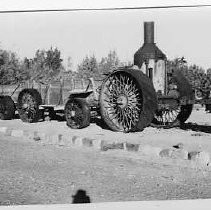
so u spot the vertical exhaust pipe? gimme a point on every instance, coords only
(148, 39)
(149, 32)
(149, 50)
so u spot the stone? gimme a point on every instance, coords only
(106, 146)
(67, 140)
(61, 141)
(54, 139)
(77, 141)
(27, 135)
(36, 137)
(115, 145)
(118, 145)
(46, 139)
(17, 133)
(3, 129)
(8, 132)
(57, 139)
(200, 157)
(132, 147)
(179, 154)
(87, 142)
(74, 139)
(96, 143)
(197, 134)
(166, 152)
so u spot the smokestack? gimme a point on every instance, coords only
(148, 32)
(149, 50)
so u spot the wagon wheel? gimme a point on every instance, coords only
(7, 108)
(123, 103)
(29, 101)
(176, 114)
(77, 113)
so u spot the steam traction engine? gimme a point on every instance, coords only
(131, 98)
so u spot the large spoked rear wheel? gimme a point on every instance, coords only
(124, 101)
(77, 113)
(29, 101)
(7, 108)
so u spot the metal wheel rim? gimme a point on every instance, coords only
(122, 100)
(74, 120)
(29, 106)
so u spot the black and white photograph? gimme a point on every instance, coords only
(105, 102)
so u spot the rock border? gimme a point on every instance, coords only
(174, 152)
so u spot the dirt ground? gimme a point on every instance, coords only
(195, 134)
(33, 173)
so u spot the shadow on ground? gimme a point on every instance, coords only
(58, 116)
(81, 197)
(196, 127)
(99, 122)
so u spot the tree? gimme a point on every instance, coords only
(53, 61)
(10, 68)
(69, 64)
(45, 66)
(200, 81)
(209, 71)
(88, 68)
(109, 63)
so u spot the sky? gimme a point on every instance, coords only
(178, 32)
